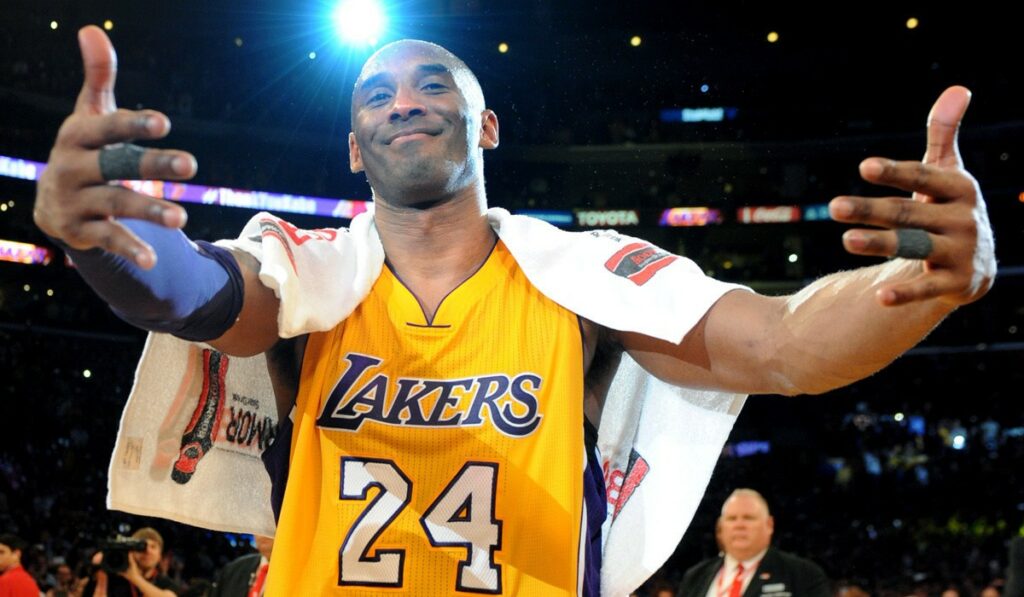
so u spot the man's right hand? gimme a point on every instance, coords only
(74, 204)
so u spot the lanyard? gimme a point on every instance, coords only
(721, 577)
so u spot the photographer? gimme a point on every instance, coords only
(131, 573)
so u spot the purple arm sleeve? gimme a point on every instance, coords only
(194, 292)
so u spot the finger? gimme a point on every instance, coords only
(116, 201)
(81, 169)
(79, 223)
(123, 125)
(100, 62)
(888, 212)
(113, 237)
(917, 177)
(885, 243)
(943, 125)
(929, 285)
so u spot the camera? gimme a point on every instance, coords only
(115, 552)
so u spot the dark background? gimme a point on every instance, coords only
(578, 107)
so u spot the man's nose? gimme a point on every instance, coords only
(406, 105)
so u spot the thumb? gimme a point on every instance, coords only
(943, 126)
(100, 62)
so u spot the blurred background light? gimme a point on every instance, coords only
(359, 22)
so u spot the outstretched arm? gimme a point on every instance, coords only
(851, 324)
(114, 235)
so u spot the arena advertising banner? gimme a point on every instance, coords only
(562, 219)
(204, 195)
(768, 214)
(26, 253)
(607, 218)
(690, 216)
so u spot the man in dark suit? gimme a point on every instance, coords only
(245, 576)
(748, 566)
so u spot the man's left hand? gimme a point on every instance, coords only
(132, 573)
(945, 217)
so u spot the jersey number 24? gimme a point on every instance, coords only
(462, 515)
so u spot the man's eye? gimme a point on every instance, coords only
(434, 87)
(377, 97)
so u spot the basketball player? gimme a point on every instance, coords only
(478, 485)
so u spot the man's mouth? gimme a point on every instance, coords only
(412, 134)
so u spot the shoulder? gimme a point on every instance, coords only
(796, 563)
(701, 568)
(249, 559)
(791, 557)
(163, 581)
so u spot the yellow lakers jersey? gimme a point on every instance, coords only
(439, 457)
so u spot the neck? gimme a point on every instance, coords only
(434, 249)
(747, 555)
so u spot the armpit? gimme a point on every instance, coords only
(601, 356)
(284, 364)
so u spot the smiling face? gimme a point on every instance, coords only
(419, 126)
(745, 526)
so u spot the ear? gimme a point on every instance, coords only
(355, 157)
(488, 129)
(771, 525)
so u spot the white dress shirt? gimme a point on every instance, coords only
(723, 580)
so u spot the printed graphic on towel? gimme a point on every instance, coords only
(233, 423)
(283, 232)
(638, 262)
(622, 484)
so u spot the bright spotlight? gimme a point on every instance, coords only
(959, 441)
(359, 21)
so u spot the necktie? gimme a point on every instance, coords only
(736, 589)
(257, 586)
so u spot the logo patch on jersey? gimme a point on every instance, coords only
(622, 484)
(364, 393)
(638, 262)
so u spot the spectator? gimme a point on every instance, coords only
(140, 576)
(65, 582)
(245, 575)
(749, 565)
(14, 580)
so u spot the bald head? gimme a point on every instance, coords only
(746, 526)
(430, 55)
(750, 494)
